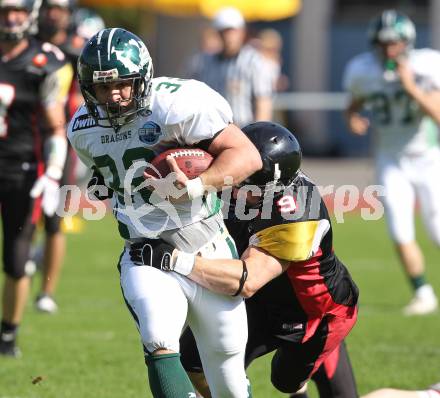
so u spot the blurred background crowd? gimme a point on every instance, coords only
(312, 41)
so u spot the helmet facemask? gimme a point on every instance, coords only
(269, 190)
(116, 114)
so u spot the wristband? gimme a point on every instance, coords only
(195, 188)
(243, 278)
(183, 263)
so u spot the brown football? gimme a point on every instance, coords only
(192, 161)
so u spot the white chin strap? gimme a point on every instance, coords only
(276, 173)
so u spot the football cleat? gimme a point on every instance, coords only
(9, 349)
(46, 303)
(424, 302)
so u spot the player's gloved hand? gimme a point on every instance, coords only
(161, 255)
(49, 188)
(47, 185)
(96, 188)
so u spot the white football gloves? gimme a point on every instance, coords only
(49, 188)
(47, 185)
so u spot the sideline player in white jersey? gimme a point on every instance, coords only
(128, 119)
(400, 86)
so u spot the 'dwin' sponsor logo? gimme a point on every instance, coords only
(83, 122)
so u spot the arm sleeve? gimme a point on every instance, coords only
(55, 87)
(295, 241)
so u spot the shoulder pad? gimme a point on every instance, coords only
(48, 57)
(360, 63)
(176, 101)
(81, 120)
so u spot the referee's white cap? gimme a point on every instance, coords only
(228, 18)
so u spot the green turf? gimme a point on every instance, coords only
(90, 349)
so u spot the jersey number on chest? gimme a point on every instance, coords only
(128, 158)
(382, 105)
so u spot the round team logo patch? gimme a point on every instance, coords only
(39, 60)
(150, 133)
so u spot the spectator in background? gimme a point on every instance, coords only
(34, 81)
(55, 22)
(401, 87)
(270, 44)
(209, 44)
(238, 71)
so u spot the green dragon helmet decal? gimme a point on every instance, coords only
(391, 26)
(115, 55)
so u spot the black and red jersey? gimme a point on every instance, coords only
(34, 79)
(295, 226)
(72, 48)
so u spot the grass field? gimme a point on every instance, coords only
(90, 349)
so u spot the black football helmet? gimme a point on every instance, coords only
(280, 152)
(19, 31)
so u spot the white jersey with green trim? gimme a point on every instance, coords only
(400, 125)
(183, 113)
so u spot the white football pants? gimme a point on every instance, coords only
(405, 179)
(162, 303)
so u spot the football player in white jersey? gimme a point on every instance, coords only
(128, 119)
(400, 86)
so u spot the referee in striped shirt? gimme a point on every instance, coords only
(238, 72)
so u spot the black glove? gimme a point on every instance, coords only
(96, 188)
(153, 253)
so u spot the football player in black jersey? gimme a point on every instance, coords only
(301, 300)
(34, 81)
(55, 27)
